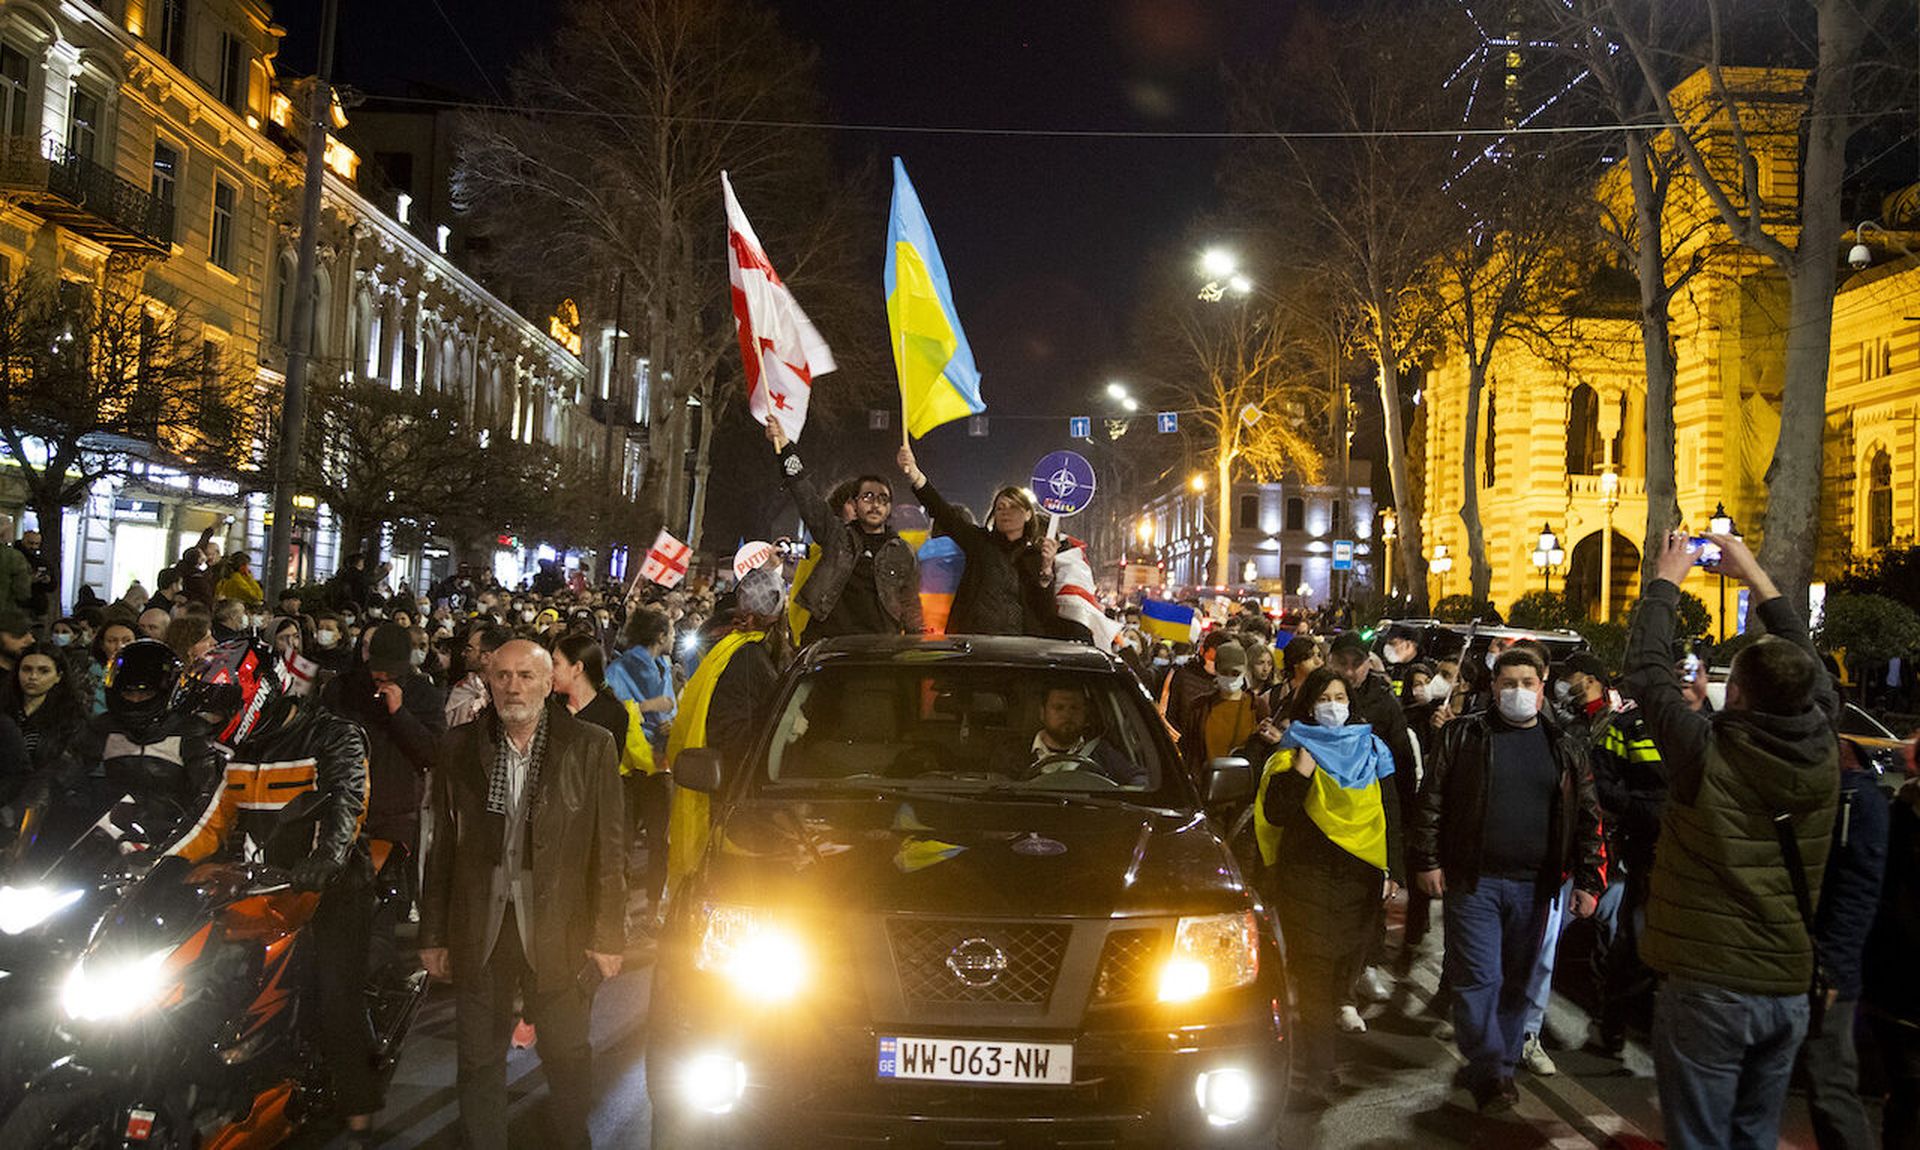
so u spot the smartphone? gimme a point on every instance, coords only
(1706, 553)
(1690, 669)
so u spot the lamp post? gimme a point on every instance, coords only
(1440, 564)
(1389, 529)
(1547, 555)
(1721, 524)
(1609, 499)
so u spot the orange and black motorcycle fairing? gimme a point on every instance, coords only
(183, 1021)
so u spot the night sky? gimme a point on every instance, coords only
(1044, 238)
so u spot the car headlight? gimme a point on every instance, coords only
(1211, 952)
(103, 987)
(763, 960)
(24, 907)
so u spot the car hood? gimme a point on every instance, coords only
(969, 856)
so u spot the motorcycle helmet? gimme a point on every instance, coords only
(240, 687)
(141, 680)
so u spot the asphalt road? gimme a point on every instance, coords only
(1396, 1075)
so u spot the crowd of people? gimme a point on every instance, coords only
(1743, 924)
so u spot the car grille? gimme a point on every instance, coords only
(1127, 966)
(922, 947)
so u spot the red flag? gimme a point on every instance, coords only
(779, 346)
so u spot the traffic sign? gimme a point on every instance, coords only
(1064, 483)
(1169, 422)
(1080, 427)
(1343, 554)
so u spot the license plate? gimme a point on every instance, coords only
(966, 1060)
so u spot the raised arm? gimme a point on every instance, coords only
(945, 515)
(1679, 732)
(820, 519)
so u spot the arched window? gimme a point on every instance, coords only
(283, 300)
(319, 341)
(1584, 452)
(1880, 501)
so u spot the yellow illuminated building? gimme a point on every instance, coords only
(1561, 424)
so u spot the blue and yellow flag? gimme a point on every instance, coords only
(938, 382)
(1169, 622)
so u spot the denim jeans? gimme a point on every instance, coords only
(1540, 982)
(1833, 1082)
(1492, 932)
(1722, 1060)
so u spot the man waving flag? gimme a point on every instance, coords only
(779, 345)
(938, 382)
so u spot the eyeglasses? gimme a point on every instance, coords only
(873, 497)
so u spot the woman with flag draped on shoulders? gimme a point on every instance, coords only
(1331, 834)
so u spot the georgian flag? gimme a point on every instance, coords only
(779, 346)
(666, 562)
(1073, 591)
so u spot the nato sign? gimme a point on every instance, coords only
(1063, 481)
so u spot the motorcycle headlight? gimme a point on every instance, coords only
(1211, 952)
(24, 907)
(103, 987)
(762, 960)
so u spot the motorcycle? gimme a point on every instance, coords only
(182, 1022)
(67, 866)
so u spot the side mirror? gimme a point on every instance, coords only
(1229, 781)
(700, 769)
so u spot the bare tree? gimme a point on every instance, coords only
(96, 379)
(1721, 141)
(1366, 203)
(613, 165)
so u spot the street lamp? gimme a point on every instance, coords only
(1198, 482)
(1609, 499)
(1389, 529)
(1441, 563)
(1721, 524)
(1222, 271)
(1547, 555)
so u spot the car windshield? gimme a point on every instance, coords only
(958, 728)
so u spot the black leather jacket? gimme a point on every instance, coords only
(170, 768)
(1450, 813)
(314, 751)
(896, 571)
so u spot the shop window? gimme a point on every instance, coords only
(1296, 515)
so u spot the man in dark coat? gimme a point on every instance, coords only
(404, 715)
(525, 891)
(1505, 817)
(867, 581)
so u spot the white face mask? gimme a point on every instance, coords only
(418, 658)
(63, 639)
(1562, 691)
(1519, 705)
(326, 638)
(1438, 688)
(527, 616)
(1492, 658)
(347, 619)
(1330, 714)
(1392, 654)
(256, 621)
(1231, 684)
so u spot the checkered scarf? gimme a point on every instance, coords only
(499, 790)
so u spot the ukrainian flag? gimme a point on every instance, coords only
(1168, 621)
(938, 382)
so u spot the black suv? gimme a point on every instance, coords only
(961, 894)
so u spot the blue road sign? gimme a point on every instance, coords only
(1080, 427)
(1343, 554)
(1169, 422)
(1064, 483)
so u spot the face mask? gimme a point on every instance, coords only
(326, 638)
(1231, 684)
(1492, 658)
(347, 619)
(1391, 655)
(526, 616)
(1519, 705)
(62, 639)
(1163, 661)
(1438, 688)
(1562, 691)
(425, 606)
(418, 658)
(256, 621)
(1330, 714)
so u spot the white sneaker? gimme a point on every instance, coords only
(1372, 986)
(1534, 1057)
(1350, 1021)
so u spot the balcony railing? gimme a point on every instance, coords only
(68, 189)
(1589, 486)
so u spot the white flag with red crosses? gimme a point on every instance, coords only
(666, 562)
(779, 346)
